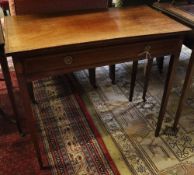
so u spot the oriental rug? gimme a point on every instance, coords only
(89, 131)
(132, 125)
(72, 143)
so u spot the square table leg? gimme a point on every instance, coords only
(147, 77)
(133, 79)
(7, 77)
(31, 91)
(185, 90)
(160, 63)
(25, 95)
(112, 73)
(168, 86)
(92, 76)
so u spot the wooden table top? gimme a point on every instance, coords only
(27, 33)
(184, 12)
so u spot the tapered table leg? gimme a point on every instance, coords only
(112, 73)
(133, 79)
(147, 76)
(31, 91)
(168, 85)
(31, 122)
(92, 77)
(185, 90)
(7, 77)
(160, 63)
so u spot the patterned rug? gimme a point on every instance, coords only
(132, 125)
(89, 131)
(73, 144)
(70, 142)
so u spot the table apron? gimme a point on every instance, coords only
(77, 60)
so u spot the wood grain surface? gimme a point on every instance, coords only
(27, 33)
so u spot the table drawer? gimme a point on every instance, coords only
(72, 61)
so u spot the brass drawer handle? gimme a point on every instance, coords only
(68, 60)
(146, 52)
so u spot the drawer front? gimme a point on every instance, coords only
(73, 61)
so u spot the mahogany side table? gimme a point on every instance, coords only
(123, 35)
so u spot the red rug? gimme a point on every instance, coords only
(17, 156)
(71, 141)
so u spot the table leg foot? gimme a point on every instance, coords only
(157, 132)
(12, 121)
(47, 167)
(4, 116)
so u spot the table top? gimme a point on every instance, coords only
(183, 12)
(29, 33)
